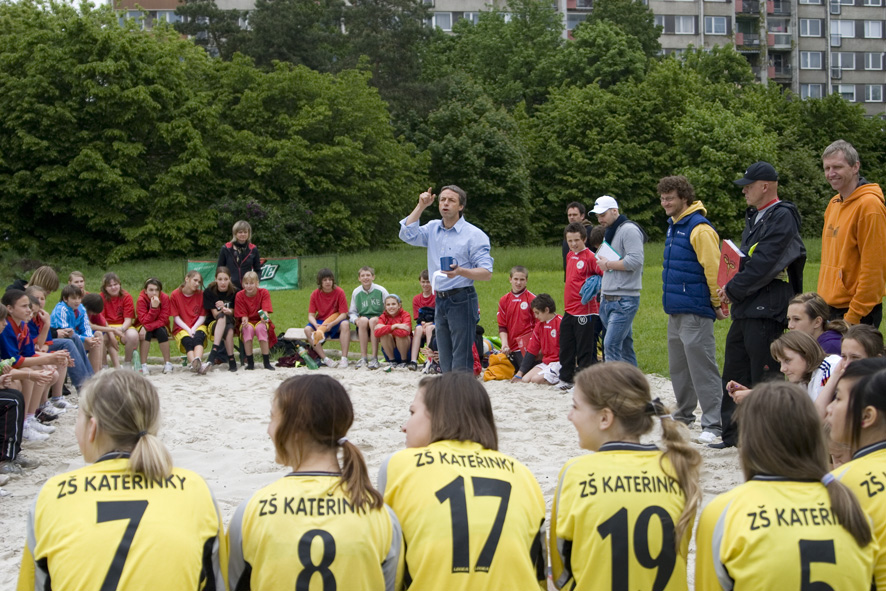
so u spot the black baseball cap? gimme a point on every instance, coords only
(758, 171)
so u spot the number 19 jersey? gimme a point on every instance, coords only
(104, 527)
(302, 532)
(472, 518)
(775, 533)
(613, 522)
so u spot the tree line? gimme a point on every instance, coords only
(320, 122)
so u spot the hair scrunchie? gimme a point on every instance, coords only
(827, 479)
(343, 440)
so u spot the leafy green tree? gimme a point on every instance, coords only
(301, 32)
(216, 30)
(474, 144)
(634, 17)
(721, 63)
(602, 52)
(101, 134)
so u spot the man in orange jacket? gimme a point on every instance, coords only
(852, 279)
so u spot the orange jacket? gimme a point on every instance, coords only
(853, 268)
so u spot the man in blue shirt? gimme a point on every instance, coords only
(457, 306)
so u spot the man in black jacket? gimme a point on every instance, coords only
(771, 274)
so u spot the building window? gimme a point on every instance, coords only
(443, 20)
(474, 17)
(715, 25)
(873, 93)
(810, 27)
(810, 60)
(684, 25)
(660, 21)
(847, 2)
(810, 2)
(573, 20)
(845, 29)
(810, 91)
(843, 59)
(873, 2)
(847, 91)
(873, 29)
(873, 61)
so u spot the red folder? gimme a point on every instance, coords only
(730, 264)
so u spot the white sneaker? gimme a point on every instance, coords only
(144, 370)
(373, 364)
(343, 364)
(29, 434)
(706, 438)
(204, 367)
(168, 367)
(328, 362)
(361, 363)
(52, 410)
(62, 403)
(35, 425)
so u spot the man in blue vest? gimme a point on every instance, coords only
(689, 297)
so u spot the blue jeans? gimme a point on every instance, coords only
(455, 322)
(82, 369)
(618, 318)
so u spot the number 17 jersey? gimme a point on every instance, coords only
(472, 517)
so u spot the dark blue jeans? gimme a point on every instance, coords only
(82, 369)
(455, 322)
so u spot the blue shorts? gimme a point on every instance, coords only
(332, 333)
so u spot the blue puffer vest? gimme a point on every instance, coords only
(685, 289)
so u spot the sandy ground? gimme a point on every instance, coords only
(216, 425)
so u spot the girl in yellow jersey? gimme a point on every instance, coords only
(323, 526)
(472, 517)
(622, 516)
(792, 525)
(129, 520)
(857, 418)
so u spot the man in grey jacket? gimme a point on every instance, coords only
(622, 279)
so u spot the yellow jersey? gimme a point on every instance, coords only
(302, 532)
(865, 475)
(472, 518)
(775, 533)
(613, 521)
(103, 527)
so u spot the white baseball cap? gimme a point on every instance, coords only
(604, 204)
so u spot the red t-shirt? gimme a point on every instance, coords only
(328, 305)
(515, 317)
(188, 308)
(385, 321)
(580, 266)
(420, 301)
(119, 308)
(245, 306)
(546, 338)
(153, 318)
(98, 319)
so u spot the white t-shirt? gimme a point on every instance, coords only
(821, 376)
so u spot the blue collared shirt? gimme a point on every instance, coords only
(464, 242)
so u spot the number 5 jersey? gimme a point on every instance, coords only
(104, 527)
(472, 518)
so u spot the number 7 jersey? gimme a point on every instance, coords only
(613, 522)
(104, 527)
(472, 518)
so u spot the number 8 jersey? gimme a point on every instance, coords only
(613, 521)
(775, 533)
(472, 518)
(104, 527)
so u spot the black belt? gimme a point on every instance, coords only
(451, 292)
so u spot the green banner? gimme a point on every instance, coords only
(276, 274)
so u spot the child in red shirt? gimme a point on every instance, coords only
(247, 304)
(545, 340)
(189, 330)
(153, 309)
(393, 329)
(423, 305)
(327, 316)
(120, 313)
(515, 318)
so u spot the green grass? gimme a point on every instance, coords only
(397, 270)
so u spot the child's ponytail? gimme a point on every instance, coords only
(687, 463)
(848, 511)
(355, 477)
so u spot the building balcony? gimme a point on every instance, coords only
(747, 7)
(780, 72)
(779, 7)
(747, 40)
(779, 40)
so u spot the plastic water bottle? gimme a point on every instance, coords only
(136, 361)
(309, 361)
(263, 315)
